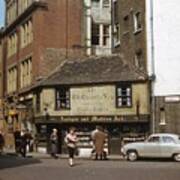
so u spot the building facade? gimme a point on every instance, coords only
(34, 49)
(97, 87)
(148, 41)
(130, 17)
(162, 20)
(94, 91)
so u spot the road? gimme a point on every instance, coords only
(16, 168)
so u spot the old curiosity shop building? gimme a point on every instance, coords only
(81, 71)
(95, 90)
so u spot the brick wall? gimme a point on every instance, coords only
(132, 42)
(172, 114)
(57, 34)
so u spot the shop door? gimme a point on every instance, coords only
(115, 145)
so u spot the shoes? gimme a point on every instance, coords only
(71, 164)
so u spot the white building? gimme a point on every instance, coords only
(163, 57)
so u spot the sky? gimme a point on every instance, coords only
(2, 12)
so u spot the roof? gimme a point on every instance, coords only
(94, 70)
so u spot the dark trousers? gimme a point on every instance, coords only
(23, 151)
(71, 152)
(102, 156)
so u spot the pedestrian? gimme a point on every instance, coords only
(99, 141)
(54, 143)
(2, 142)
(36, 142)
(29, 140)
(93, 141)
(17, 139)
(23, 147)
(71, 141)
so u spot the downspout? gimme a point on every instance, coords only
(88, 27)
(112, 26)
(152, 78)
(67, 27)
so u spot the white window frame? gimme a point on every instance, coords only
(137, 18)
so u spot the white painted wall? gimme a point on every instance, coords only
(166, 36)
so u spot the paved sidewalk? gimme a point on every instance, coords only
(38, 155)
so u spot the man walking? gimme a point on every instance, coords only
(99, 138)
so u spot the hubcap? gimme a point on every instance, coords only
(177, 157)
(132, 156)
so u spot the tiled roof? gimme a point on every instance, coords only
(106, 69)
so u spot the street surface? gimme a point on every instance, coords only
(45, 168)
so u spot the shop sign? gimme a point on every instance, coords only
(95, 118)
(169, 99)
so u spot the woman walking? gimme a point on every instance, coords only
(54, 143)
(71, 140)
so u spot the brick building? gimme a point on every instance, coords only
(36, 38)
(148, 41)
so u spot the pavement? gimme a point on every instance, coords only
(11, 152)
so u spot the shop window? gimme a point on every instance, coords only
(62, 98)
(123, 96)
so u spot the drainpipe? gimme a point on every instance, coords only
(112, 25)
(152, 77)
(67, 27)
(88, 26)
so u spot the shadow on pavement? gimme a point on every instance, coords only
(170, 160)
(11, 161)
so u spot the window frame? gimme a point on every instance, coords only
(162, 117)
(59, 89)
(95, 34)
(106, 35)
(124, 96)
(136, 21)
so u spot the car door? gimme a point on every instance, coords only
(167, 146)
(152, 147)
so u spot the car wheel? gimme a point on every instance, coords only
(177, 157)
(132, 156)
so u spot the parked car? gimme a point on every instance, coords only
(156, 146)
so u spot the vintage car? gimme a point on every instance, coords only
(156, 146)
